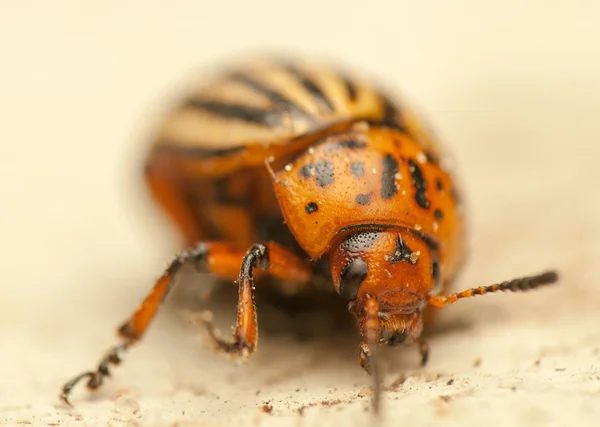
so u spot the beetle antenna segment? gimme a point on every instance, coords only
(516, 285)
(372, 331)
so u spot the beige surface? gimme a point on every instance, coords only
(514, 91)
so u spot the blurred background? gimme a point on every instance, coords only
(512, 88)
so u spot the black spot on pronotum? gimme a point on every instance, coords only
(352, 276)
(311, 207)
(321, 170)
(350, 89)
(324, 173)
(439, 215)
(439, 185)
(402, 253)
(305, 171)
(419, 183)
(357, 169)
(363, 199)
(388, 177)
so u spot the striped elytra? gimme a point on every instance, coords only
(281, 110)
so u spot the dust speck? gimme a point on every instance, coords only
(364, 391)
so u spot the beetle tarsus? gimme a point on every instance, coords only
(234, 348)
(96, 378)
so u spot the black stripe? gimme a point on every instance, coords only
(276, 98)
(391, 114)
(261, 116)
(311, 87)
(388, 177)
(177, 148)
(379, 123)
(350, 89)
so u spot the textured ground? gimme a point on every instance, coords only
(513, 91)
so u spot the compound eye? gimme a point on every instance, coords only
(352, 276)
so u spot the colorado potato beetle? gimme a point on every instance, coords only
(300, 170)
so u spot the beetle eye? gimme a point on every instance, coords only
(353, 274)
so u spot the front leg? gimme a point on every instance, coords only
(279, 262)
(222, 260)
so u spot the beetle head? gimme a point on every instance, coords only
(394, 267)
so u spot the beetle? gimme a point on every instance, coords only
(298, 169)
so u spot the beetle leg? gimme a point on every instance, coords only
(132, 330)
(222, 260)
(277, 261)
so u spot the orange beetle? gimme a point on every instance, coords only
(301, 171)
